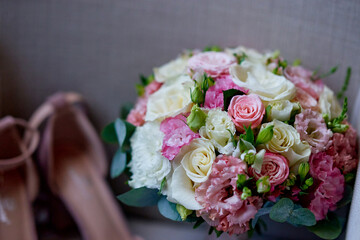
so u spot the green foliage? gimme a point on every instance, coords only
(198, 223)
(265, 135)
(332, 71)
(263, 184)
(213, 48)
(335, 125)
(124, 131)
(183, 211)
(348, 194)
(346, 84)
(246, 192)
(249, 135)
(240, 58)
(108, 134)
(118, 164)
(199, 92)
(140, 197)
(125, 110)
(285, 210)
(168, 209)
(162, 185)
(240, 182)
(303, 170)
(228, 95)
(140, 87)
(329, 228)
(297, 62)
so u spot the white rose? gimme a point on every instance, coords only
(216, 129)
(259, 80)
(197, 159)
(180, 189)
(286, 141)
(171, 70)
(281, 110)
(148, 165)
(170, 100)
(329, 104)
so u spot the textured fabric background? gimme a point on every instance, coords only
(99, 47)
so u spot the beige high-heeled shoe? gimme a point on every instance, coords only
(18, 179)
(73, 160)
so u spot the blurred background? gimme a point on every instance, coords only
(99, 47)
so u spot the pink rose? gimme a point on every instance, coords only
(275, 166)
(223, 207)
(137, 115)
(177, 134)
(246, 110)
(213, 63)
(312, 129)
(214, 96)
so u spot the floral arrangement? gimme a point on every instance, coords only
(228, 136)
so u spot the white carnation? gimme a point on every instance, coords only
(170, 100)
(148, 165)
(171, 70)
(217, 129)
(329, 104)
(259, 80)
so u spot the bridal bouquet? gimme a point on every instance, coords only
(227, 136)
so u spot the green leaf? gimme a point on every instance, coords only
(261, 212)
(281, 211)
(245, 145)
(124, 130)
(118, 164)
(125, 110)
(267, 113)
(228, 95)
(240, 58)
(335, 125)
(213, 48)
(346, 83)
(162, 185)
(302, 216)
(140, 197)
(108, 134)
(198, 223)
(329, 228)
(332, 71)
(265, 135)
(183, 211)
(297, 62)
(140, 89)
(249, 135)
(168, 209)
(347, 197)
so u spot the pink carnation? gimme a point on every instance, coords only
(301, 77)
(246, 110)
(330, 185)
(344, 150)
(213, 63)
(223, 207)
(137, 115)
(275, 166)
(214, 96)
(312, 129)
(177, 135)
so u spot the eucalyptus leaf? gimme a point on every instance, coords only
(118, 164)
(302, 216)
(124, 130)
(140, 197)
(347, 197)
(168, 209)
(228, 95)
(108, 134)
(281, 211)
(329, 228)
(261, 212)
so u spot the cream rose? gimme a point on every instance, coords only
(180, 189)
(329, 104)
(197, 159)
(259, 80)
(217, 129)
(170, 100)
(171, 70)
(286, 141)
(281, 110)
(148, 165)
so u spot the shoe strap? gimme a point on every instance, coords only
(30, 145)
